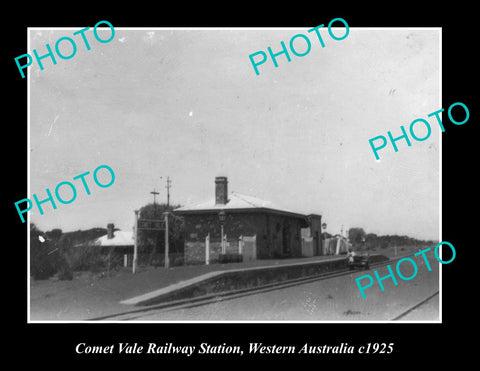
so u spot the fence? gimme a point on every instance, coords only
(155, 259)
(335, 246)
(331, 246)
(209, 251)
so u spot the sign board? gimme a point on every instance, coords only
(151, 224)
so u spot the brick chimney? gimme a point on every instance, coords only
(110, 228)
(221, 190)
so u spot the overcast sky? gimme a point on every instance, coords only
(187, 104)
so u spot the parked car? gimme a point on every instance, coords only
(360, 261)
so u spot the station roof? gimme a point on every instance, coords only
(236, 202)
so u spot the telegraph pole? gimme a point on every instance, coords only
(154, 198)
(135, 244)
(166, 214)
(154, 201)
(167, 259)
(169, 184)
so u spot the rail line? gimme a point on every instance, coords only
(416, 306)
(223, 296)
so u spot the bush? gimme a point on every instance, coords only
(65, 274)
(178, 261)
(280, 255)
(80, 258)
(41, 266)
(44, 258)
(230, 258)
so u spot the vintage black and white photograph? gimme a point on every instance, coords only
(275, 174)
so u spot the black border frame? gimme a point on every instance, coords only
(53, 344)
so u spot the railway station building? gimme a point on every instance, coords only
(251, 228)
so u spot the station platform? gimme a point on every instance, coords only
(219, 279)
(92, 295)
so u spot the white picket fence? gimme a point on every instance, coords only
(244, 245)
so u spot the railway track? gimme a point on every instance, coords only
(222, 296)
(414, 307)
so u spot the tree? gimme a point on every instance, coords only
(356, 236)
(43, 257)
(371, 236)
(153, 242)
(54, 234)
(371, 241)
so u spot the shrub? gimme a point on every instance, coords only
(178, 261)
(65, 273)
(230, 258)
(44, 257)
